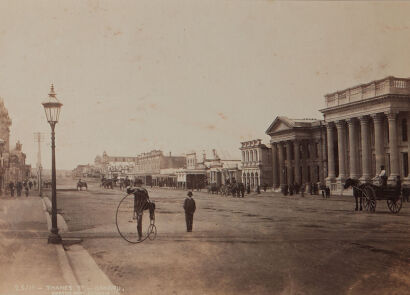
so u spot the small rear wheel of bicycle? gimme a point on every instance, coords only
(152, 231)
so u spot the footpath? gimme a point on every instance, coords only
(31, 266)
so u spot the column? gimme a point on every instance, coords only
(296, 152)
(365, 144)
(331, 174)
(378, 140)
(408, 142)
(353, 150)
(341, 147)
(304, 162)
(275, 168)
(289, 157)
(281, 164)
(323, 159)
(394, 149)
(321, 166)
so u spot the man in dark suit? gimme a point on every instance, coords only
(141, 198)
(189, 207)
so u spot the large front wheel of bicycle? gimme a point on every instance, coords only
(127, 221)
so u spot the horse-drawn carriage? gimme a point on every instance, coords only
(369, 193)
(47, 183)
(108, 183)
(81, 184)
(213, 188)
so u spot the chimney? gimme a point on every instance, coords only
(170, 154)
(204, 156)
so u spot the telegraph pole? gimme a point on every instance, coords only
(39, 137)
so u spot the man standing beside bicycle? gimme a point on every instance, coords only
(140, 202)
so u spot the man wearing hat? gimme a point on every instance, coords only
(189, 207)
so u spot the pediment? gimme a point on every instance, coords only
(279, 124)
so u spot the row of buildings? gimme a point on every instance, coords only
(13, 166)
(363, 128)
(155, 168)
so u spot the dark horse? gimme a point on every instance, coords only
(357, 191)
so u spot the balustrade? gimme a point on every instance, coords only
(389, 85)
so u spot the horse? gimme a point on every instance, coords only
(47, 183)
(108, 183)
(81, 184)
(213, 188)
(357, 191)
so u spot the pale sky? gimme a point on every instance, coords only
(185, 75)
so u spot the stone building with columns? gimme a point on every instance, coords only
(367, 127)
(364, 127)
(298, 151)
(256, 163)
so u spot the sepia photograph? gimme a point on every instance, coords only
(200, 147)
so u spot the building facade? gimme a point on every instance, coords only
(256, 164)
(298, 147)
(194, 175)
(367, 127)
(12, 161)
(364, 127)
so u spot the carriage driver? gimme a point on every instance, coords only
(382, 176)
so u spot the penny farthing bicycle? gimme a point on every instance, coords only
(131, 223)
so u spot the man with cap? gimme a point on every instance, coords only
(189, 207)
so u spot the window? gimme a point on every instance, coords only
(284, 153)
(308, 151)
(404, 130)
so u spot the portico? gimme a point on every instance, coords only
(298, 154)
(367, 127)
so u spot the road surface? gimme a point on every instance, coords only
(261, 244)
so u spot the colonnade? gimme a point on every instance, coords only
(337, 130)
(298, 161)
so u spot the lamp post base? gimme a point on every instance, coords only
(54, 238)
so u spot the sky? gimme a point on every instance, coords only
(185, 76)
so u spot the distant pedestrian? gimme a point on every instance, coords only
(258, 189)
(26, 189)
(189, 207)
(291, 189)
(242, 188)
(30, 184)
(248, 189)
(19, 187)
(302, 190)
(327, 192)
(11, 188)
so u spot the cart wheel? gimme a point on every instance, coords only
(395, 205)
(365, 203)
(370, 199)
(372, 205)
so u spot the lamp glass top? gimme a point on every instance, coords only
(52, 106)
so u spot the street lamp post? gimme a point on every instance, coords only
(52, 109)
